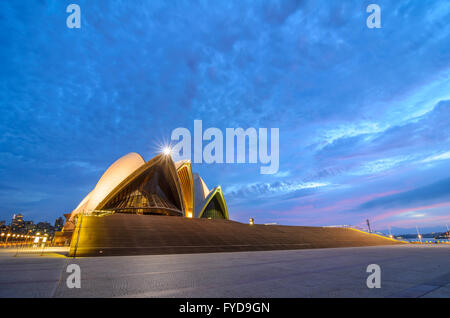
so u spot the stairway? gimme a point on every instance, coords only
(128, 234)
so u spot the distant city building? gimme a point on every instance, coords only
(45, 227)
(28, 225)
(59, 224)
(3, 227)
(17, 223)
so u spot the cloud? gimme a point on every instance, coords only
(432, 193)
(442, 156)
(282, 174)
(406, 145)
(278, 188)
(381, 165)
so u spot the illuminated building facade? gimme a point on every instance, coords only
(17, 223)
(156, 187)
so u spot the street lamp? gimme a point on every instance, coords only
(7, 237)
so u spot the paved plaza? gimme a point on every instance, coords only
(406, 271)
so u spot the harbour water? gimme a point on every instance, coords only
(427, 240)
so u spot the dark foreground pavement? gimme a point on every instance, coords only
(406, 271)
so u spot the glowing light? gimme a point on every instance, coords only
(251, 221)
(189, 215)
(167, 151)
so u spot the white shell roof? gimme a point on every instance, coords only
(112, 177)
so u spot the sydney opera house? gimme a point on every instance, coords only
(159, 186)
(161, 207)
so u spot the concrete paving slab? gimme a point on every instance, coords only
(338, 272)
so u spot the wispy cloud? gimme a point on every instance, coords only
(443, 156)
(432, 193)
(271, 189)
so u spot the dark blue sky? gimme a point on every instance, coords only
(364, 114)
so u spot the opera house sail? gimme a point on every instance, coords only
(153, 188)
(210, 204)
